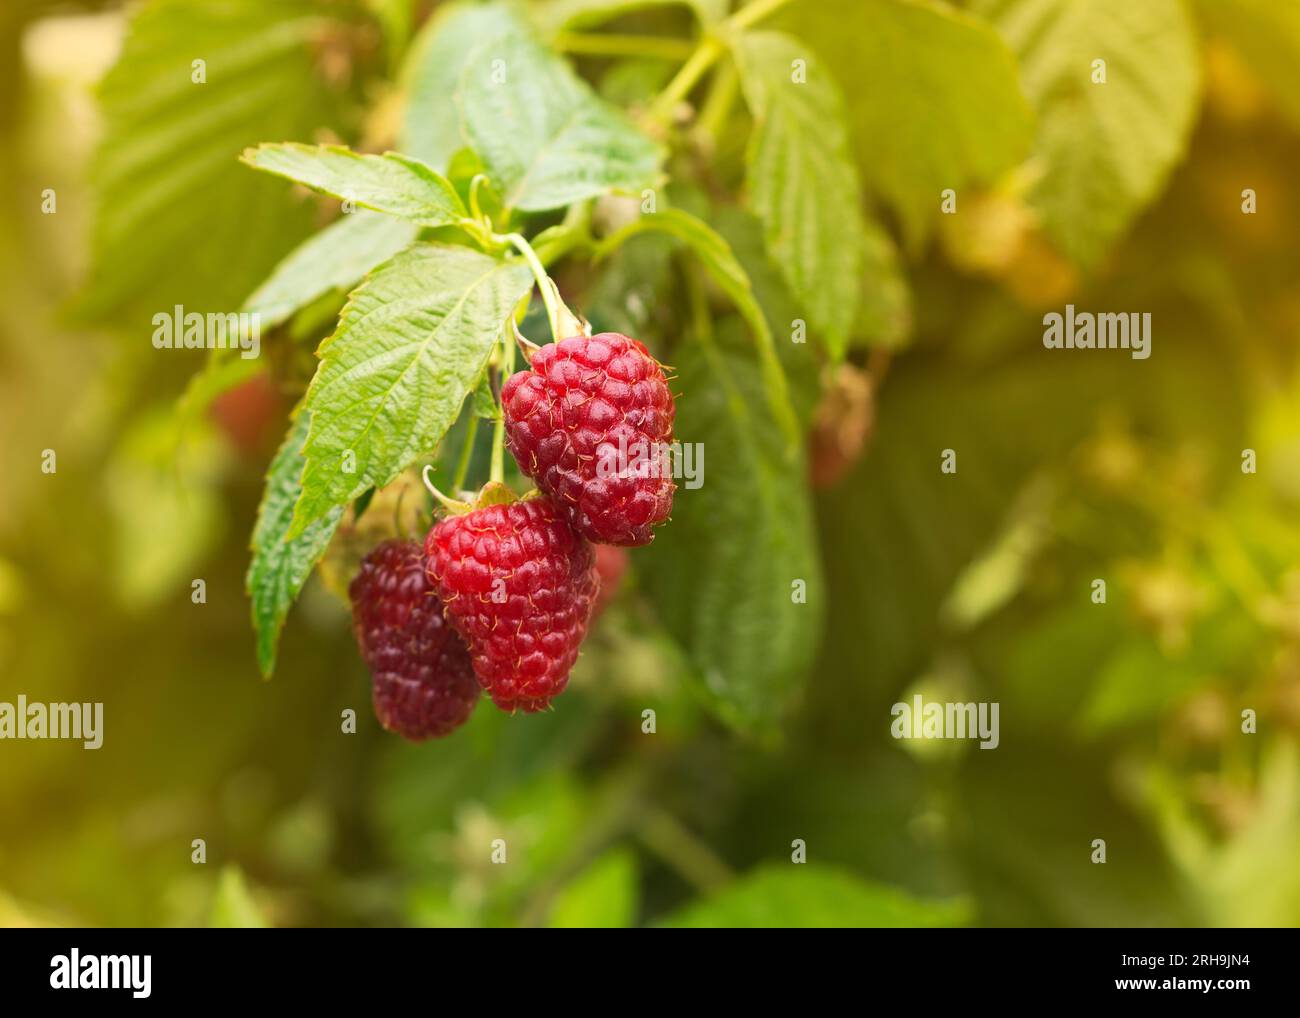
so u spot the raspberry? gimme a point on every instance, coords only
(590, 421)
(518, 585)
(424, 683)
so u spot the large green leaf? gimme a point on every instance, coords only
(337, 258)
(1106, 149)
(802, 181)
(281, 566)
(817, 896)
(546, 139)
(803, 367)
(391, 183)
(716, 256)
(430, 122)
(936, 100)
(722, 577)
(172, 200)
(411, 344)
(1267, 34)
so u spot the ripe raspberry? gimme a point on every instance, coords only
(518, 585)
(589, 422)
(611, 564)
(423, 680)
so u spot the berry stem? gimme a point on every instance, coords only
(499, 427)
(452, 505)
(475, 209)
(543, 283)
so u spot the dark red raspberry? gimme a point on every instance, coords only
(590, 421)
(424, 683)
(518, 584)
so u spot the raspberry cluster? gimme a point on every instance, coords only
(519, 580)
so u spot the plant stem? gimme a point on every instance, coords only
(499, 427)
(543, 284)
(474, 209)
(751, 13)
(693, 860)
(686, 78)
(498, 473)
(708, 51)
(627, 45)
(717, 107)
(466, 454)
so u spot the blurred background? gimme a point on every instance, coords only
(1120, 722)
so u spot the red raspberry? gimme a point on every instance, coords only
(518, 585)
(424, 682)
(590, 422)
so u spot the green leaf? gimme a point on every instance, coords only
(166, 171)
(803, 367)
(1106, 148)
(936, 98)
(337, 258)
(390, 183)
(281, 565)
(1267, 34)
(431, 122)
(545, 137)
(604, 896)
(233, 906)
(817, 896)
(486, 406)
(717, 258)
(802, 182)
(722, 577)
(412, 342)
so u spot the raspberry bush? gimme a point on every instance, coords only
(501, 218)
